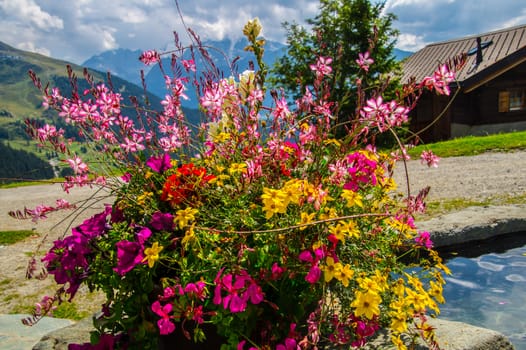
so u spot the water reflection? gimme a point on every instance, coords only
(489, 290)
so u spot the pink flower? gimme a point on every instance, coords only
(290, 344)
(427, 157)
(241, 346)
(143, 234)
(440, 80)
(78, 166)
(424, 240)
(238, 293)
(189, 65)
(165, 325)
(364, 61)
(276, 271)
(149, 57)
(322, 66)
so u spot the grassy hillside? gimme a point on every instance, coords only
(20, 99)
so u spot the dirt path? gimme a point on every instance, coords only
(477, 178)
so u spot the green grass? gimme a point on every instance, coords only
(10, 237)
(69, 310)
(444, 206)
(4, 284)
(473, 145)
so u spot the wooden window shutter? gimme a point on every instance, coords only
(504, 101)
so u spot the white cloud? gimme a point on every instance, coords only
(108, 40)
(520, 19)
(132, 15)
(410, 42)
(30, 12)
(76, 30)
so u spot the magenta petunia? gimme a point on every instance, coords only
(162, 221)
(143, 234)
(314, 275)
(160, 164)
(94, 226)
(129, 254)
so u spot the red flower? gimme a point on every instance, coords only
(181, 185)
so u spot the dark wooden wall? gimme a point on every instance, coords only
(478, 107)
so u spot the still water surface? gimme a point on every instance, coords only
(489, 290)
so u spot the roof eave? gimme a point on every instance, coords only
(494, 70)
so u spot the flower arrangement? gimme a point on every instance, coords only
(257, 221)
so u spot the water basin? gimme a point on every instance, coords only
(487, 287)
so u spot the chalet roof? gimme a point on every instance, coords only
(506, 50)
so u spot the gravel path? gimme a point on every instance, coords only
(476, 178)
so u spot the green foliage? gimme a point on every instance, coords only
(341, 30)
(11, 237)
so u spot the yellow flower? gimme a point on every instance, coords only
(352, 198)
(221, 137)
(416, 299)
(292, 190)
(338, 231)
(436, 291)
(237, 168)
(332, 141)
(219, 180)
(398, 321)
(381, 280)
(330, 213)
(152, 254)
(368, 284)
(330, 269)
(306, 219)
(366, 304)
(183, 217)
(344, 274)
(398, 343)
(389, 184)
(252, 29)
(189, 236)
(274, 202)
(352, 229)
(141, 200)
(398, 288)
(402, 227)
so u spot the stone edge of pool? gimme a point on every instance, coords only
(470, 224)
(475, 224)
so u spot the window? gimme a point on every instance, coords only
(512, 100)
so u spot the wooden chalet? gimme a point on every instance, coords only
(492, 84)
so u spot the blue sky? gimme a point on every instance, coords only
(76, 30)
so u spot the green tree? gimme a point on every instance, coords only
(342, 30)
